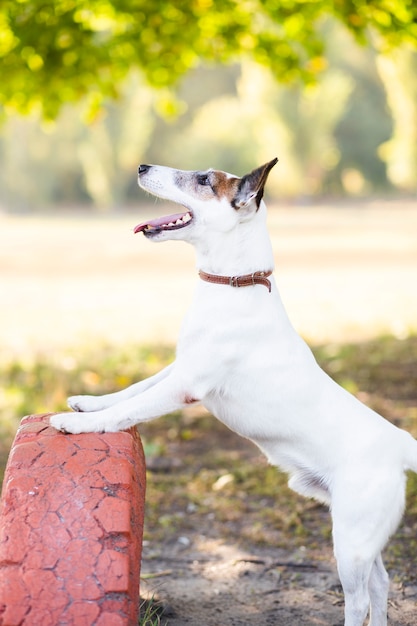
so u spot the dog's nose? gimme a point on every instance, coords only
(143, 168)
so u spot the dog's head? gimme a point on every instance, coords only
(213, 200)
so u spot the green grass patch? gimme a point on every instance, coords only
(150, 613)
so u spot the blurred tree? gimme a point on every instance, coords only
(398, 71)
(326, 134)
(235, 130)
(69, 162)
(57, 52)
(110, 148)
(366, 122)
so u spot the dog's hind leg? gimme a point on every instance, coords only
(378, 591)
(354, 573)
(365, 586)
(365, 513)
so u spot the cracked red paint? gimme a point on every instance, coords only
(71, 523)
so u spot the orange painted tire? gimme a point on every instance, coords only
(71, 522)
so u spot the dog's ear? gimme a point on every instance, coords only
(251, 186)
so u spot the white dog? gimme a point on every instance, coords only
(240, 357)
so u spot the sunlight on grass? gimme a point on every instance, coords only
(42, 384)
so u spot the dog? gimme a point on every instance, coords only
(239, 356)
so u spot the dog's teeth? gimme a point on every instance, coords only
(181, 221)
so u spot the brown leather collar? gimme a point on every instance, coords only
(257, 278)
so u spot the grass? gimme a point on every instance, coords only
(42, 383)
(150, 613)
(204, 478)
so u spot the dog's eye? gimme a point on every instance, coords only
(203, 179)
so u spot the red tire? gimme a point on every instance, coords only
(71, 522)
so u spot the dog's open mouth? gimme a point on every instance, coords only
(169, 222)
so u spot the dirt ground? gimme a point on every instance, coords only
(234, 587)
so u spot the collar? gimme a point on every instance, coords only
(257, 278)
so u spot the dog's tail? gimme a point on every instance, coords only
(410, 452)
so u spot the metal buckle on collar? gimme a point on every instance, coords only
(234, 281)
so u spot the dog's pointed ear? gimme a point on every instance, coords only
(251, 186)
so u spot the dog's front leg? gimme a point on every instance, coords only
(165, 397)
(86, 403)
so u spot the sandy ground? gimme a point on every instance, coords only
(221, 585)
(344, 273)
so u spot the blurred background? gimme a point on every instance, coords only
(350, 133)
(88, 90)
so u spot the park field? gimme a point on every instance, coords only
(88, 307)
(345, 274)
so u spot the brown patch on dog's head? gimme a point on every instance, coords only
(224, 186)
(213, 183)
(207, 184)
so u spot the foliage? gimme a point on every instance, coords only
(57, 52)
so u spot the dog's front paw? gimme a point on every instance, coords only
(85, 403)
(74, 423)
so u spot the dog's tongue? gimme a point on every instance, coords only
(158, 222)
